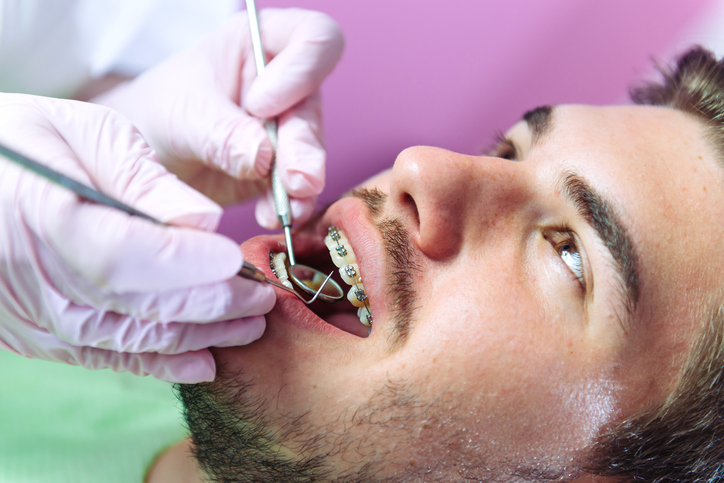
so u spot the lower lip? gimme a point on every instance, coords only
(289, 309)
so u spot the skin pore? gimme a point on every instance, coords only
(552, 290)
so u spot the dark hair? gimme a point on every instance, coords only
(683, 438)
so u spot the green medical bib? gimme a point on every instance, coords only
(61, 423)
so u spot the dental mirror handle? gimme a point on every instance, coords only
(281, 198)
(252, 273)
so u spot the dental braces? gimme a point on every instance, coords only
(351, 272)
(272, 265)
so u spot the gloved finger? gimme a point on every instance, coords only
(237, 143)
(264, 211)
(302, 210)
(221, 187)
(300, 155)
(305, 46)
(119, 253)
(84, 326)
(234, 298)
(300, 160)
(188, 368)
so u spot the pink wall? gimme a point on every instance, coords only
(452, 73)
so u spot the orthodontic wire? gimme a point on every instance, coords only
(342, 252)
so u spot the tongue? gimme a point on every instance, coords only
(348, 323)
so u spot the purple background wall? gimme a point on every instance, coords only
(452, 73)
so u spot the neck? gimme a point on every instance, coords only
(175, 465)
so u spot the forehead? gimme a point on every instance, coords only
(659, 170)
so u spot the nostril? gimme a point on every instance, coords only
(410, 201)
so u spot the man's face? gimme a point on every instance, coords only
(520, 306)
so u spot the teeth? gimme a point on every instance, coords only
(331, 239)
(357, 295)
(344, 258)
(342, 253)
(280, 269)
(350, 274)
(365, 316)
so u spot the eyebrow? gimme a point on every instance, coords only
(539, 121)
(600, 215)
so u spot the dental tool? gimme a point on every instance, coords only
(297, 273)
(80, 189)
(252, 273)
(248, 270)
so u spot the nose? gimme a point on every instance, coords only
(445, 198)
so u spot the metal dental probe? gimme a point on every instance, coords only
(251, 272)
(86, 192)
(281, 198)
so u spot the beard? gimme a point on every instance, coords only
(236, 439)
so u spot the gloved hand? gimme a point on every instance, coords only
(85, 284)
(200, 109)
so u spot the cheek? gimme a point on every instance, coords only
(481, 330)
(504, 366)
(494, 329)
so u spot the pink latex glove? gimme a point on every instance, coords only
(85, 284)
(200, 109)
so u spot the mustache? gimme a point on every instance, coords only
(374, 199)
(402, 264)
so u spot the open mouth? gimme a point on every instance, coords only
(351, 314)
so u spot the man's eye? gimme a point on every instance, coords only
(504, 148)
(564, 243)
(572, 258)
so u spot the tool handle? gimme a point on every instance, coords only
(255, 33)
(251, 272)
(281, 198)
